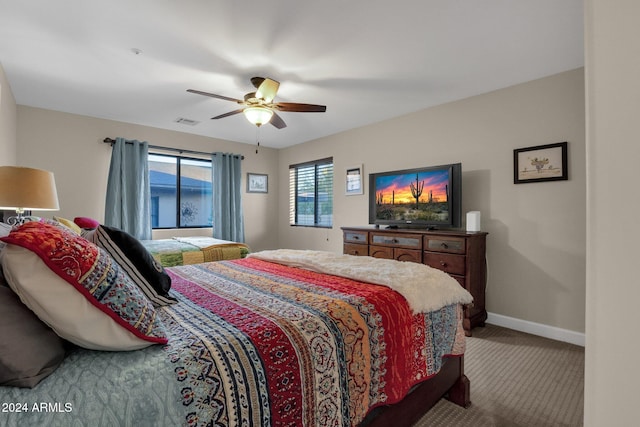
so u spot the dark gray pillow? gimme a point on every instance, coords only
(29, 350)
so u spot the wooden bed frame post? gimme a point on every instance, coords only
(460, 393)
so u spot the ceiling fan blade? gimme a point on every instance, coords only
(257, 81)
(277, 121)
(213, 95)
(230, 113)
(300, 108)
(267, 90)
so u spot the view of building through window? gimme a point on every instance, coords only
(181, 192)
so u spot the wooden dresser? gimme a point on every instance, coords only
(459, 253)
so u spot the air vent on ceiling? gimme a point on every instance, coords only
(184, 121)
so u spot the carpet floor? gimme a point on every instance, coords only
(517, 380)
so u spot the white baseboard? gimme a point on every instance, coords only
(539, 329)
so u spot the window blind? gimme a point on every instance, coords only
(311, 193)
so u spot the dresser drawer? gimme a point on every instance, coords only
(400, 254)
(410, 255)
(454, 245)
(409, 241)
(381, 252)
(356, 237)
(449, 263)
(355, 249)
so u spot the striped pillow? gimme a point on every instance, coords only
(136, 261)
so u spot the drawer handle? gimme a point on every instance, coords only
(443, 264)
(394, 240)
(356, 237)
(444, 245)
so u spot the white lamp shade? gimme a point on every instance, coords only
(27, 189)
(258, 115)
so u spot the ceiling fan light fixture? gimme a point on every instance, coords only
(258, 107)
(258, 115)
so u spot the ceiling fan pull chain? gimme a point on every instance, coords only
(257, 139)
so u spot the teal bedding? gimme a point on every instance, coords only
(100, 388)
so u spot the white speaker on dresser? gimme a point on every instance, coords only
(473, 221)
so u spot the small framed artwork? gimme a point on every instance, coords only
(540, 163)
(257, 183)
(354, 183)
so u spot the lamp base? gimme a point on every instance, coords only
(19, 218)
(15, 220)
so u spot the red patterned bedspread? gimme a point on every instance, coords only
(276, 345)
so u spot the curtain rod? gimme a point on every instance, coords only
(177, 150)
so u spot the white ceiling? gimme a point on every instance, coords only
(366, 60)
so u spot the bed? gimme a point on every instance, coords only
(277, 338)
(194, 250)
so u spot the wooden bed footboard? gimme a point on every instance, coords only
(450, 382)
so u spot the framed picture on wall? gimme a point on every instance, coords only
(540, 163)
(257, 183)
(354, 182)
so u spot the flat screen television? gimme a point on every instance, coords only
(428, 197)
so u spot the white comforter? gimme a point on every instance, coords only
(425, 288)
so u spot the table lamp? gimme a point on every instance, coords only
(23, 189)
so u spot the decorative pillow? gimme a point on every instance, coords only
(86, 223)
(29, 349)
(102, 309)
(68, 223)
(53, 222)
(5, 229)
(136, 260)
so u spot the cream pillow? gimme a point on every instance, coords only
(69, 224)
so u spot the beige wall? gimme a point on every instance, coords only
(71, 147)
(536, 245)
(8, 116)
(613, 155)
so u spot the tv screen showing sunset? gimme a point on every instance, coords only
(413, 196)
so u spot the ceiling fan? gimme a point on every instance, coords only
(259, 108)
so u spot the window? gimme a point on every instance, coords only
(311, 193)
(181, 192)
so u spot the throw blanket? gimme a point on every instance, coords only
(194, 250)
(425, 288)
(213, 249)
